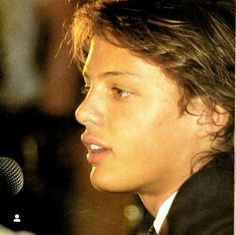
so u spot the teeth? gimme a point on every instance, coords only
(95, 147)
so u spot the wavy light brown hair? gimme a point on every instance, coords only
(191, 40)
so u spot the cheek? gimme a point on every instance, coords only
(135, 137)
(142, 128)
(152, 136)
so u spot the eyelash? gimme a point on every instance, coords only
(121, 93)
(118, 92)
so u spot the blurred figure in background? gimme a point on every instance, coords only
(21, 83)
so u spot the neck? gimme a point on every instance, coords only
(153, 202)
(152, 198)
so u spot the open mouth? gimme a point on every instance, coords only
(96, 148)
(96, 151)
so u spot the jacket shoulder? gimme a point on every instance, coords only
(205, 202)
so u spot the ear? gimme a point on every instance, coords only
(208, 121)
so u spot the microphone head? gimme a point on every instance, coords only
(11, 177)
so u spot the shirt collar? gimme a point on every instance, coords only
(163, 211)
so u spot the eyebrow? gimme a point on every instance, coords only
(113, 74)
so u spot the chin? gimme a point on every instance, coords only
(103, 187)
(99, 183)
(107, 185)
(106, 182)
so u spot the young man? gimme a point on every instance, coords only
(159, 109)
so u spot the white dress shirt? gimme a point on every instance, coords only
(163, 211)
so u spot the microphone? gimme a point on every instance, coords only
(11, 183)
(11, 177)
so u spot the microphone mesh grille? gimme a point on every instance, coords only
(11, 175)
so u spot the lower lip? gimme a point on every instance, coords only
(97, 157)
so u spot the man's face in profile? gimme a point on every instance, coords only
(136, 138)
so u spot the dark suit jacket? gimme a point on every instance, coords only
(204, 203)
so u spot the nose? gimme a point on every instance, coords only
(89, 112)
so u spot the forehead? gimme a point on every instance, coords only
(102, 53)
(104, 56)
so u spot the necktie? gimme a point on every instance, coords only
(163, 230)
(151, 231)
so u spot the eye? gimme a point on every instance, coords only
(84, 90)
(121, 93)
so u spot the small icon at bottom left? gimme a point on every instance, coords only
(17, 218)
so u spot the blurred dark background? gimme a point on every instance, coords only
(39, 92)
